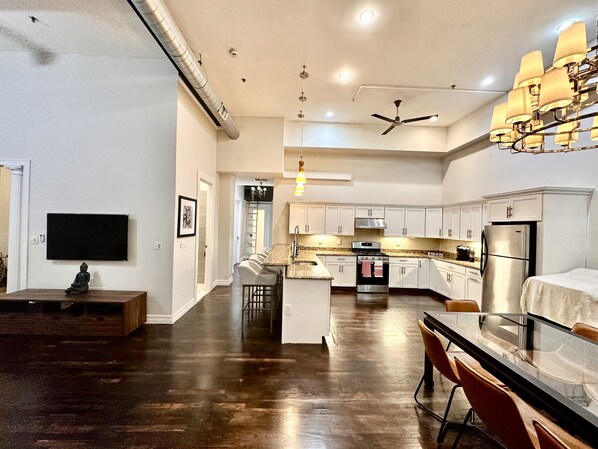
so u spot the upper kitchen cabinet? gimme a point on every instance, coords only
(434, 222)
(310, 218)
(369, 212)
(405, 222)
(340, 220)
(450, 222)
(515, 208)
(471, 222)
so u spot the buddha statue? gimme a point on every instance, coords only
(81, 282)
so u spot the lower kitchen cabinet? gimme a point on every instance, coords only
(473, 286)
(423, 275)
(450, 280)
(343, 269)
(403, 272)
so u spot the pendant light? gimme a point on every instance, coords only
(300, 179)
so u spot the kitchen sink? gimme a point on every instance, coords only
(304, 262)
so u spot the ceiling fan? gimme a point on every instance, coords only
(397, 120)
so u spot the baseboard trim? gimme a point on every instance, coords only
(171, 319)
(223, 282)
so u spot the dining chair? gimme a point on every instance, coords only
(547, 439)
(504, 413)
(585, 330)
(461, 305)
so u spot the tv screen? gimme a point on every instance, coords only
(87, 237)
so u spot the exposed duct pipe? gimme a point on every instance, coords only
(159, 20)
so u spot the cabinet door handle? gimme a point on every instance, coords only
(305, 228)
(440, 232)
(420, 264)
(338, 229)
(340, 268)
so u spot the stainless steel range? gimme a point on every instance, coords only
(372, 267)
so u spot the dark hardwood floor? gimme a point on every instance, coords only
(198, 384)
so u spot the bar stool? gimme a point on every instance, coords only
(259, 257)
(260, 292)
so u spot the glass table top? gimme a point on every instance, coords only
(535, 348)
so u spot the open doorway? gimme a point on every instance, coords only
(204, 247)
(5, 182)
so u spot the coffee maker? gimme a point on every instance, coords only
(465, 253)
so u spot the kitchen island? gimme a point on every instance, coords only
(305, 295)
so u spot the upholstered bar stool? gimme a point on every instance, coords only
(260, 291)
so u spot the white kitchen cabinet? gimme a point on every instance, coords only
(450, 280)
(340, 220)
(471, 222)
(450, 222)
(405, 221)
(433, 222)
(423, 275)
(473, 286)
(516, 208)
(369, 212)
(310, 218)
(343, 269)
(433, 276)
(403, 272)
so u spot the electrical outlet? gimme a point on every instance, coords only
(338, 241)
(157, 244)
(398, 242)
(320, 240)
(182, 245)
(287, 309)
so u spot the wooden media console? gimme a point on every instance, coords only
(52, 312)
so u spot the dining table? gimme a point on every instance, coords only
(547, 365)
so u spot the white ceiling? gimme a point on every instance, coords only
(416, 43)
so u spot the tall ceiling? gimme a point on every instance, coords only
(415, 43)
(410, 43)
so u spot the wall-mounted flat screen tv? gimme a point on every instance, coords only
(87, 237)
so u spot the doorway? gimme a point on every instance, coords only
(5, 182)
(204, 247)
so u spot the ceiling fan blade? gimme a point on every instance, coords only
(389, 129)
(417, 119)
(381, 117)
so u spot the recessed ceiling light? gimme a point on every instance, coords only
(433, 118)
(366, 16)
(330, 114)
(566, 24)
(344, 75)
(487, 81)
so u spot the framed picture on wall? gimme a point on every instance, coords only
(187, 217)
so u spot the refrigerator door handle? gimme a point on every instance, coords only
(483, 262)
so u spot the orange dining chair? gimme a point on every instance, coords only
(505, 414)
(461, 305)
(585, 330)
(548, 440)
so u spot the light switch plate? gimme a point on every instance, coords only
(157, 244)
(33, 239)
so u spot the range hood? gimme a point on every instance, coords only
(370, 223)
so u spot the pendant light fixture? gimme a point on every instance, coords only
(300, 179)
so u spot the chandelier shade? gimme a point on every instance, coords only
(499, 120)
(519, 106)
(594, 133)
(571, 47)
(531, 69)
(566, 134)
(534, 140)
(556, 91)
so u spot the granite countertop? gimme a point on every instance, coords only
(281, 256)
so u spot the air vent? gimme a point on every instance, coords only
(260, 179)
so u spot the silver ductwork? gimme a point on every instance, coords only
(158, 19)
(370, 223)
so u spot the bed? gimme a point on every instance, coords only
(566, 298)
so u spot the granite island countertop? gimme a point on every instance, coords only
(281, 257)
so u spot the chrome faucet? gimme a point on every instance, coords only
(295, 245)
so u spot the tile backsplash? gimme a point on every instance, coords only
(388, 243)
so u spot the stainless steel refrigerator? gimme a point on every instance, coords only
(507, 260)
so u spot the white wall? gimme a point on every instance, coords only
(380, 180)
(100, 134)
(428, 139)
(470, 174)
(258, 150)
(226, 214)
(195, 152)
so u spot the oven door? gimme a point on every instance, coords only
(367, 281)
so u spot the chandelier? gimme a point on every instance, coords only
(300, 179)
(258, 193)
(547, 110)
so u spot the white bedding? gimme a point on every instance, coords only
(566, 298)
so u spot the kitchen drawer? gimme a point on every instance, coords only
(451, 267)
(402, 260)
(473, 272)
(341, 259)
